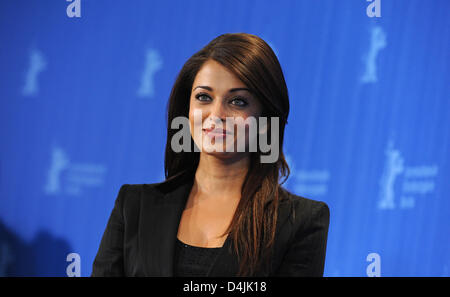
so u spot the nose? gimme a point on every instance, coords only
(218, 112)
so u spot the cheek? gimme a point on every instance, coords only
(191, 112)
(196, 116)
(196, 119)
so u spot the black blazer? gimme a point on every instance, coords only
(140, 236)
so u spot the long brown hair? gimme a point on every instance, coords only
(251, 59)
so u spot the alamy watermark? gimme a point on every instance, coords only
(374, 8)
(74, 268)
(74, 8)
(238, 135)
(374, 268)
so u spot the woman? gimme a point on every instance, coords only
(220, 211)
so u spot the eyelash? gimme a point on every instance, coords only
(235, 98)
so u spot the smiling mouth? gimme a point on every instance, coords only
(216, 132)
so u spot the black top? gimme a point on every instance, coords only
(193, 260)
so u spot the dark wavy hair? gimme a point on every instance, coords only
(252, 60)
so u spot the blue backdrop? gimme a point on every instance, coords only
(83, 94)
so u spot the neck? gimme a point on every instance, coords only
(220, 177)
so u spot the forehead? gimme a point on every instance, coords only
(218, 77)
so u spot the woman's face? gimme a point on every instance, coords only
(217, 94)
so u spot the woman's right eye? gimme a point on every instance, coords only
(201, 97)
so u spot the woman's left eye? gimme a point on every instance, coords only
(240, 102)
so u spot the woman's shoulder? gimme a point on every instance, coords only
(303, 207)
(132, 194)
(136, 189)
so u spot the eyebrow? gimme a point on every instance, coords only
(230, 91)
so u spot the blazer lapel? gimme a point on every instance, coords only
(226, 263)
(160, 216)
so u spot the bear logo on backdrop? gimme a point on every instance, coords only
(153, 63)
(311, 183)
(377, 43)
(416, 180)
(66, 177)
(38, 64)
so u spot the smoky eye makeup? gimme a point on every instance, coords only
(202, 95)
(242, 101)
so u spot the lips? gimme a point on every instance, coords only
(216, 131)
